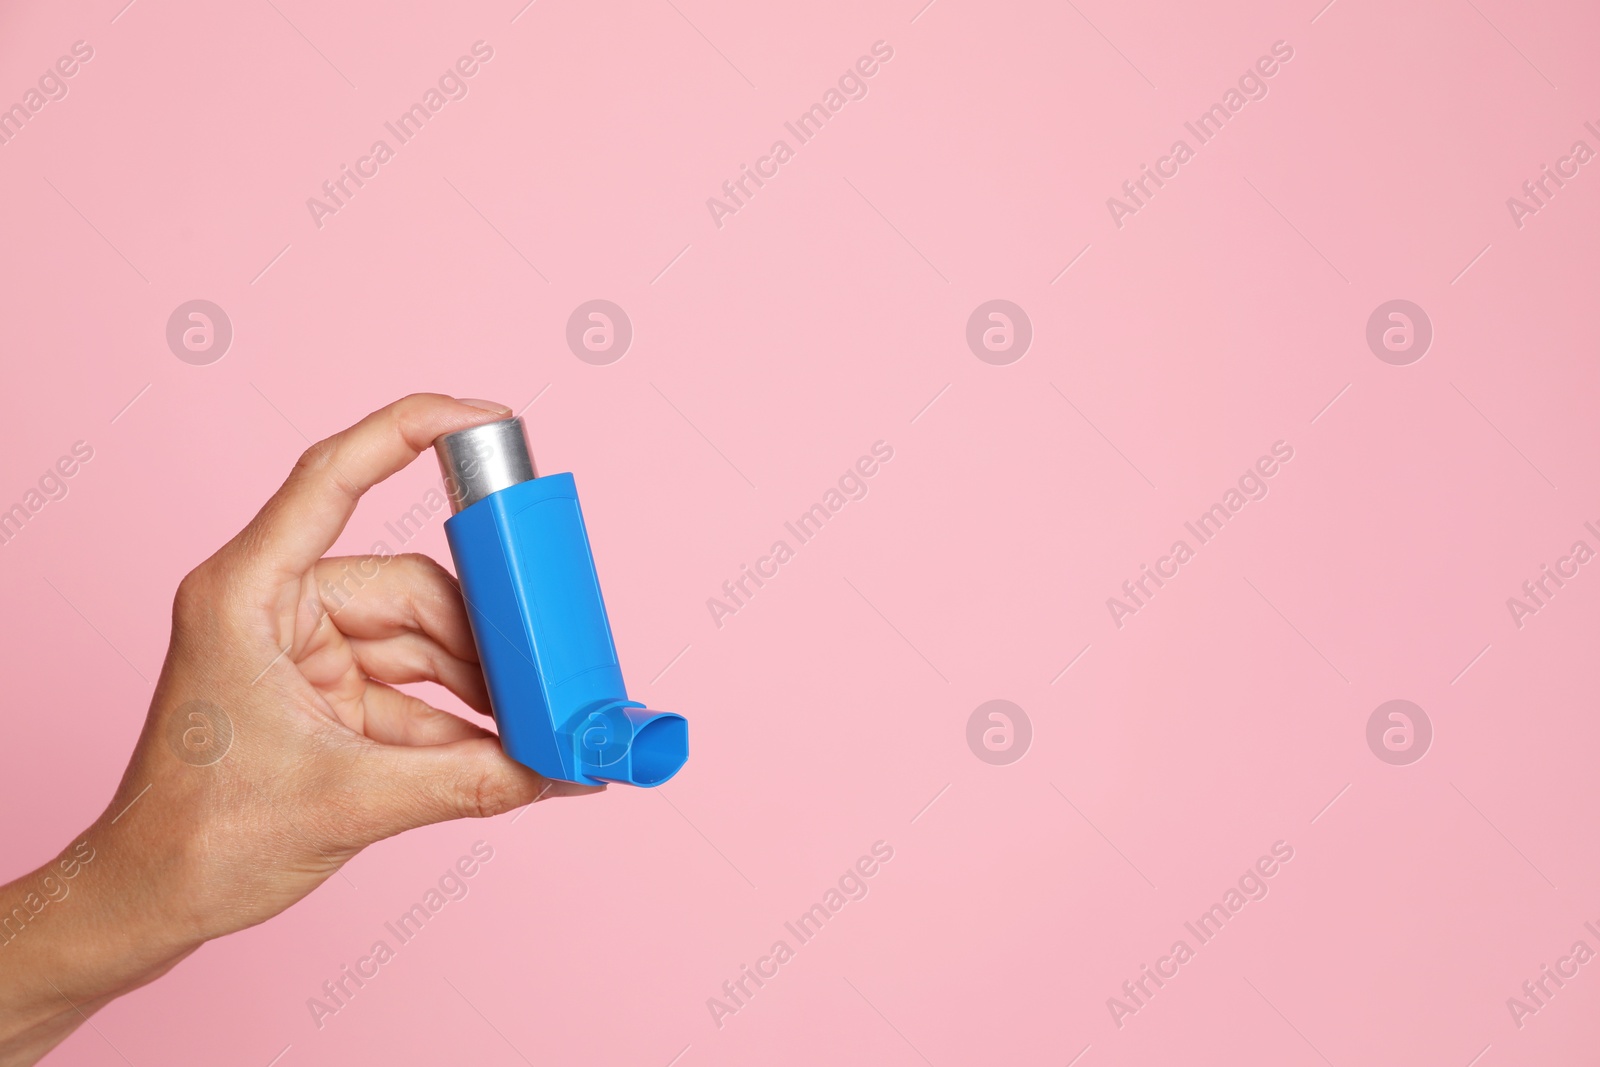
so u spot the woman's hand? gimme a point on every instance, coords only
(275, 747)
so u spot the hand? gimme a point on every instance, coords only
(275, 748)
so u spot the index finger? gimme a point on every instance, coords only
(305, 516)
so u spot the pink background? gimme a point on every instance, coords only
(823, 317)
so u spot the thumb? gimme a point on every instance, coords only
(416, 786)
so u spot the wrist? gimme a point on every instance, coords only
(92, 924)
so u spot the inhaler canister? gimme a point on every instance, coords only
(539, 621)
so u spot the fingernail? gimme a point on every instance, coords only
(486, 405)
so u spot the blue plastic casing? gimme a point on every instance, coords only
(539, 621)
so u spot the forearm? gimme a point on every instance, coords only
(73, 938)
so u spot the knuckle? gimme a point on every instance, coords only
(312, 460)
(408, 407)
(206, 602)
(418, 563)
(486, 795)
(428, 587)
(409, 403)
(433, 664)
(318, 463)
(195, 594)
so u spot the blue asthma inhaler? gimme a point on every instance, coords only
(533, 597)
